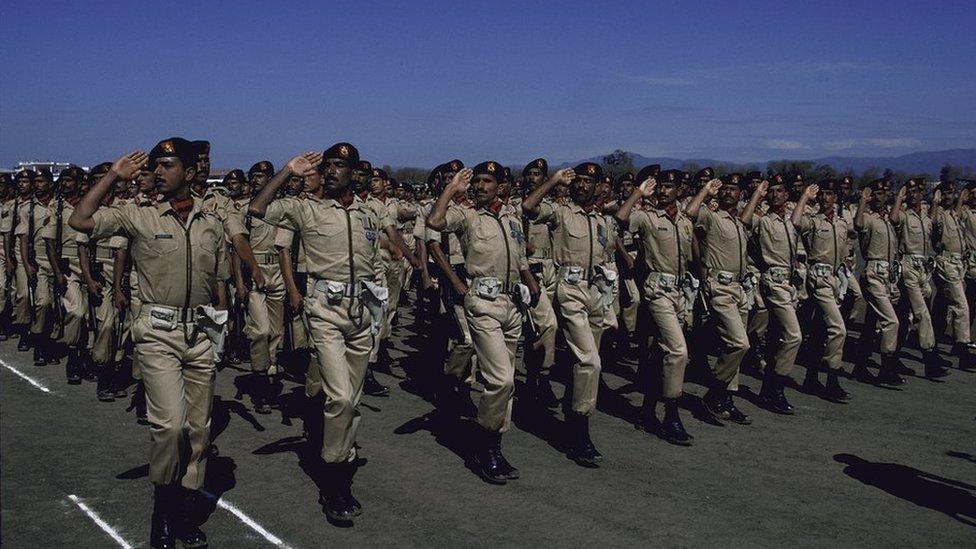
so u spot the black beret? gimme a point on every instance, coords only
(452, 166)
(102, 168)
(5, 178)
(706, 174)
(408, 186)
(878, 185)
(829, 185)
(736, 179)
(345, 151)
(432, 176)
(45, 173)
(264, 166)
(754, 176)
(589, 169)
(625, 177)
(946, 187)
(647, 171)
(846, 179)
(685, 176)
(377, 172)
(29, 174)
(78, 173)
(914, 183)
(538, 163)
(489, 167)
(173, 147)
(795, 178)
(201, 147)
(777, 179)
(238, 174)
(394, 184)
(670, 176)
(969, 184)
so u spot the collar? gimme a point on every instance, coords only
(163, 207)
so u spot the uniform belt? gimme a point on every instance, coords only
(726, 277)
(266, 258)
(953, 255)
(541, 254)
(503, 287)
(822, 269)
(777, 270)
(323, 285)
(586, 274)
(178, 312)
(664, 280)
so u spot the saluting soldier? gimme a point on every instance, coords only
(825, 236)
(950, 266)
(343, 308)
(723, 240)
(497, 272)
(178, 249)
(584, 288)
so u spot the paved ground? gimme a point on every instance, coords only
(911, 480)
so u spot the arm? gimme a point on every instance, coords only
(808, 193)
(533, 285)
(124, 168)
(220, 290)
(240, 290)
(55, 261)
(861, 207)
(748, 212)
(437, 219)
(288, 275)
(25, 258)
(960, 201)
(709, 190)
(441, 260)
(242, 250)
(645, 190)
(303, 165)
(530, 206)
(118, 273)
(84, 256)
(895, 215)
(397, 240)
(936, 205)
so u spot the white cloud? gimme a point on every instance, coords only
(785, 144)
(876, 142)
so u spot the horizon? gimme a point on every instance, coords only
(413, 87)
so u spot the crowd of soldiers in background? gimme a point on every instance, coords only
(749, 267)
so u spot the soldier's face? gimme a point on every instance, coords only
(504, 189)
(313, 183)
(203, 167)
(296, 184)
(68, 186)
(41, 185)
(583, 189)
(948, 198)
(146, 180)
(627, 188)
(827, 198)
(845, 188)
(666, 193)
(914, 196)
(777, 196)
(377, 185)
(534, 177)
(728, 196)
(171, 176)
(797, 189)
(360, 178)
(258, 180)
(485, 189)
(336, 175)
(234, 187)
(24, 184)
(878, 198)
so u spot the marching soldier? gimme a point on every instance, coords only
(178, 249)
(950, 266)
(24, 189)
(825, 236)
(497, 273)
(344, 306)
(8, 203)
(723, 241)
(584, 288)
(34, 217)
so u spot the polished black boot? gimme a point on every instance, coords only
(811, 383)
(584, 452)
(489, 459)
(900, 367)
(543, 392)
(262, 391)
(162, 534)
(773, 395)
(671, 428)
(187, 527)
(336, 496)
(736, 415)
(372, 387)
(715, 403)
(103, 388)
(861, 372)
(833, 391)
(24, 341)
(934, 364)
(888, 374)
(72, 369)
(120, 381)
(964, 353)
(39, 359)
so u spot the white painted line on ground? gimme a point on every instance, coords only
(26, 377)
(229, 507)
(101, 523)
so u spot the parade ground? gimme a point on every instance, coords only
(891, 468)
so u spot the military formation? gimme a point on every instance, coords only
(141, 276)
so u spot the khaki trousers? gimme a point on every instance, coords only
(179, 380)
(264, 325)
(915, 291)
(730, 312)
(107, 316)
(393, 273)
(43, 299)
(75, 303)
(540, 349)
(21, 303)
(666, 309)
(496, 326)
(340, 337)
(781, 300)
(824, 291)
(582, 324)
(879, 295)
(628, 312)
(949, 280)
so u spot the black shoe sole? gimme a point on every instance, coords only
(496, 481)
(677, 442)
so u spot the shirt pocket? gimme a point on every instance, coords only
(163, 243)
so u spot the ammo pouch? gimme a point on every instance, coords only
(334, 291)
(572, 274)
(487, 287)
(605, 281)
(664, 281)
(749, 289)
(214, 324)
(689, 287)
(164, 318)
(725, 277)
(375, 298)
(778, 275)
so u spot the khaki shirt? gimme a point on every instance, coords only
(341, 244)
(579, 238)
(178, 265)
(222, 206)
(877, 237)
(285, 240)
(847, 213)
(914, 232)
(949, 229)
(493, 244)
(260, 234)
(776, 241)
(42, 216)
(387, 211)
(7, 212)
(967, 219)
(666, 243)
(449, 242)
(723, 241)
(826, 239)
(69, 245)
(539, 236)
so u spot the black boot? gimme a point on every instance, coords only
(861, 372)
(963, 352)
(583, 452)
(73, 368)
(736, 415)
(715, 400)
(934, 364)
(773, 395)
(162, 535)
(103, 388)
(24, 342)
(372, 387)
(900, 367)
(262, 389)
(811, 383)
(186, 526)
(833, 391)
(671, 428)
(543, 392)
(489, 459)
(39, 359)
(120, 381)
(335, 498)
(454, 398)
(888, 374)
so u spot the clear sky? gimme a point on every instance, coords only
(415, 83)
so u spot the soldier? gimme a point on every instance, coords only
(8, 201)
(967, 220)
(776, 246)
(584, 288)
(723, 242)
(179, 252)
(495, 299)
(825, 236)
(879, 246)
(950, 243)
(852, 304)
(33, 219)
(24, 189)
(343, 309)
(914, 227)
(665, 236)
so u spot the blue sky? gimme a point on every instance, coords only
(416, 83)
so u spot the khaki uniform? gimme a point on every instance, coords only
(179, 266)
(342, 251)
(950, 270)
(777, 245)
(106, 314)
(542, 318)
(7, 287)
(666, 245)
(723, 251)
(580, 239)
(42, 291)
(914, 235)
(826, 242)
(75, 298)
(494, 255)
(879, 243)
(388, 213)
(857, 303)
(287, 240)
(967, 221)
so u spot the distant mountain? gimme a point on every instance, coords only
(929, 162)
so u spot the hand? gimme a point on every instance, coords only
(564, 176)
(31, 272)
(762, 188)
(304, 164)
(811, 191)
(118, 299)
(865, 194)
(535, 293)
(937, 197)
(62, 282)
(240, 292)
(901, 193)
(414, 262)
(647, 187)
(258, 280)
(460, 288)
(295, 302)
(529, 249)
(426, 282)
(461, 182)
(712, 187)
(94, 289)
(128, 166)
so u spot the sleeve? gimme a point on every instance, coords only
(638, 223)
(455, 217)
(806, 224)
(901, 218)
(49, 231)
(118, 242)
(22, 221)
(283, 212)
(109, 221)
(706, 218)
(234, 224)
(284, 238)
(223, 262)
(7, 221)
(547, 213)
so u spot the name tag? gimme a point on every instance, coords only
(665, 229)
(165, 236)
